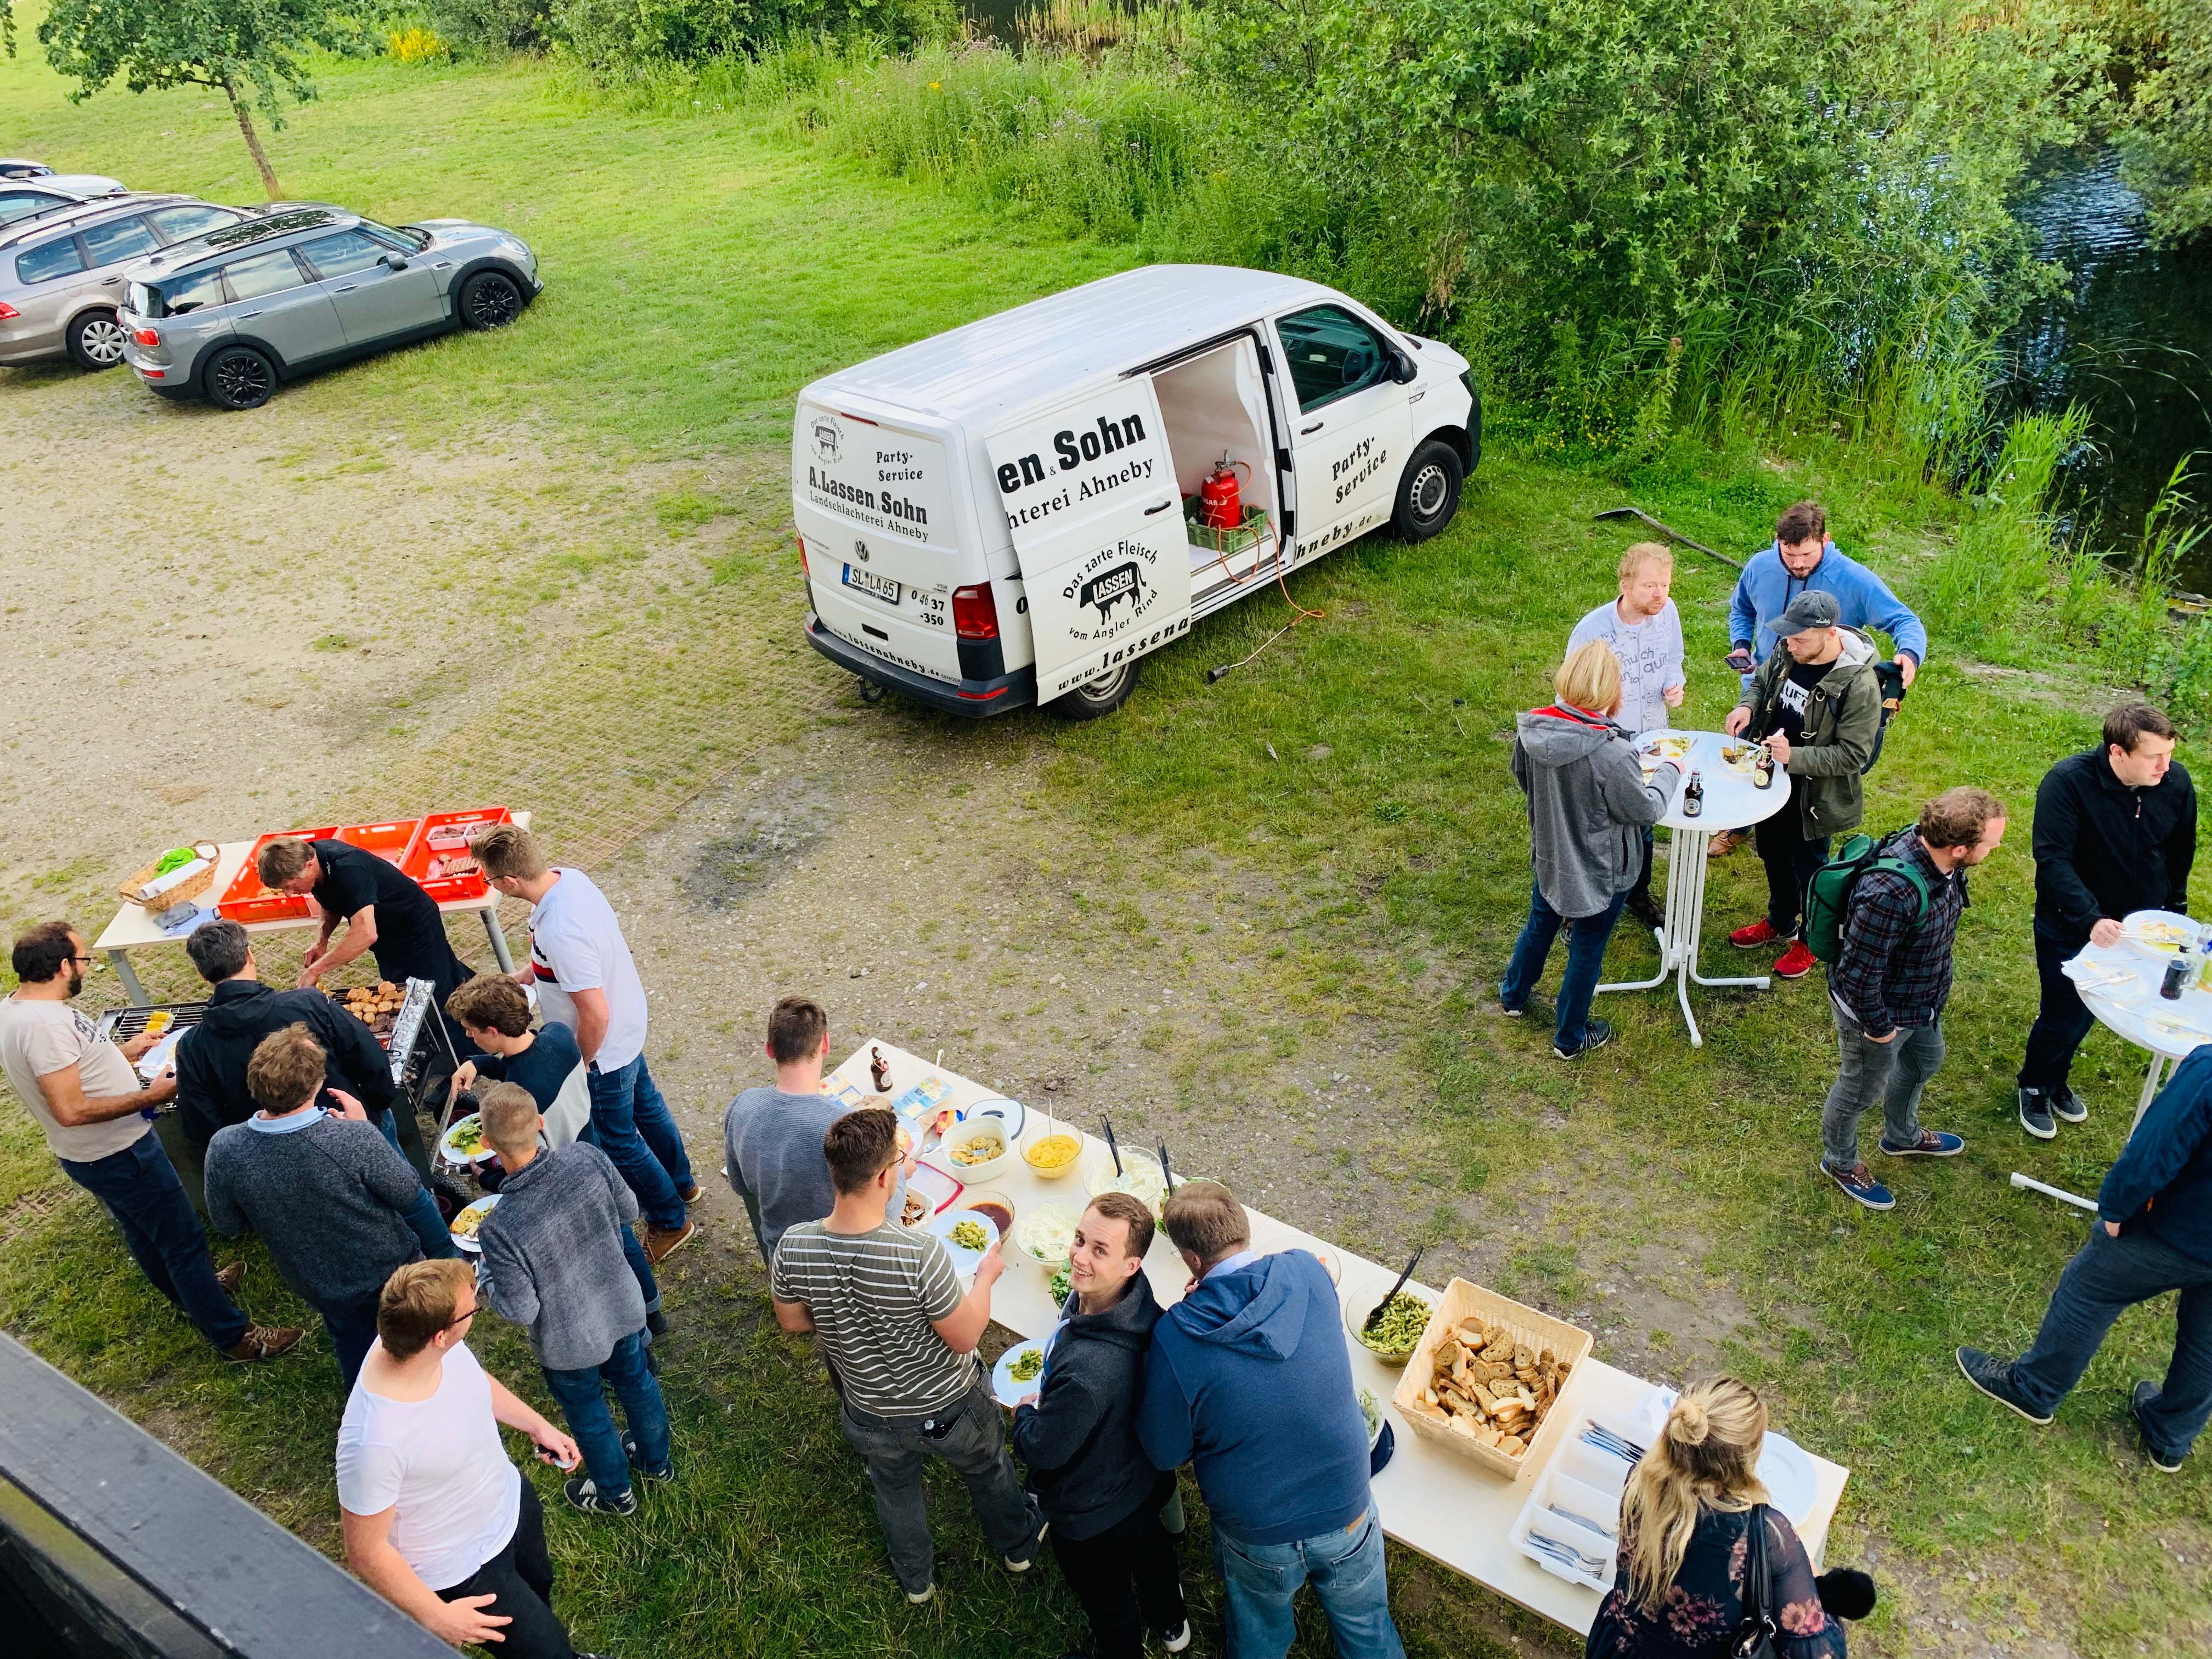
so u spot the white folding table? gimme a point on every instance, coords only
(1732, 802)
(1431, 1500)
(134, 928)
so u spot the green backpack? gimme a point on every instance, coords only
(1829, 891)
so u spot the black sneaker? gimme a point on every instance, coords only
(1597, 1033)
(665, 1473)
(656, 1324)
(2068, 1104)
(1993, 1376)
(2035, 1113)
(1025, 1553)
(1175, 1640)
(583, 1493)
(2144, 1394)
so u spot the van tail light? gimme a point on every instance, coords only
(8, 312)
(146, 336)
(804, 568)
(975, 612)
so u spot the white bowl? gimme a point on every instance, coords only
(967, 1133)
(1043, 1264)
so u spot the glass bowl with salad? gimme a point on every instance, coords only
(1398, 1332)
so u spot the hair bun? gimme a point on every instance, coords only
(1686, 1424)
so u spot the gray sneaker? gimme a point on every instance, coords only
(1023, 1554)
(2068, 1104)
(2035, 1113)
(1993, 1376)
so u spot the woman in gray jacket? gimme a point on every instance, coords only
(1589, 807)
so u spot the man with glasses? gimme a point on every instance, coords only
(436, 1519)
(85, 1094)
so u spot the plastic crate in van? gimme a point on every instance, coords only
(445, 835)
(246, 900)
(390, 841)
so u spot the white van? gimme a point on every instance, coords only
(1009, 512)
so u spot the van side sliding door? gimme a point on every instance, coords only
(1090, 495)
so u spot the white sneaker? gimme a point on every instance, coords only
(917, 1597)
(1178, 1638)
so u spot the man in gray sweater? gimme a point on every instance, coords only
(339, 1206)
(553, 1263)
(772, 1138)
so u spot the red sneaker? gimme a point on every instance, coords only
(1796, 961)
(1759, 932)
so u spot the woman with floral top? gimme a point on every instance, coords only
(1685, 1534)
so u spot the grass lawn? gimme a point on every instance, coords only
(700, 270)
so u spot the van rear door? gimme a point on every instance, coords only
(874, 501)
(1090, 495)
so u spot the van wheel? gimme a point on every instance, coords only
(96, 340)
(238, 377)
(1428, 493)
(1100, 697)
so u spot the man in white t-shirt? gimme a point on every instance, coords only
(586, 980)
(437, 1520)
(83, 1091)
(1645, 632)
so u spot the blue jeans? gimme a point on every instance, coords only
(139, 1188)
(632, 1125)
(583, 1397)
(642, 1265)
(1346, 1572)
(351, 1327)
(1586, 941)
(2107, 1277)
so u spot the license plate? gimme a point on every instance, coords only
(881, 587)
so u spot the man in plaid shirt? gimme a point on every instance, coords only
(1890, 980)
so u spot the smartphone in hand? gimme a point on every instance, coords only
(1740, 660)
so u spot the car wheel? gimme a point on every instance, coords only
(1428, 492)
(491, 299)
(238, 377)
(1101, 697)
(96, 340)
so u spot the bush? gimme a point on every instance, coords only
(492, 26)
(639, 35)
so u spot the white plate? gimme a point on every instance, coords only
(1004, 1389)
(452, 1152)
(482, 1207)
(964, 1261)
(2133, 929)
(1786, 1470)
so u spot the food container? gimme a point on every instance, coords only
(996, 1206)
(1356, 1309)
(1066, 1166)
(1460, 1300)
(977, 1134)
(176, 893)
(389, 841)
(445, 836)
(246, 900)
(1140, 1177)
(1036, 1218)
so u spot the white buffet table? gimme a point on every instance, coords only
(133, 928)
(1431, 1500)
(1732, 802)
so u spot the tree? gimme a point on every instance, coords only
(250, 51)
(2165, 131)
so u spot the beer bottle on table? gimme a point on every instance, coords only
(1694, 797)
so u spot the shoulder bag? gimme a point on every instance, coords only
(1754, 1637)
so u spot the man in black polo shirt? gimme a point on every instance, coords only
(385, 912)
(2115, 832)
(212, 1057)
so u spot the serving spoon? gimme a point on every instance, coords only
(1375, 1314)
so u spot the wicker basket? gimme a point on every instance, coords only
(1539, 1330)
(190, 888)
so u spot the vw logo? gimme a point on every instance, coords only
(860, 552)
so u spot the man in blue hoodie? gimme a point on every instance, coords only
(1802, 559)
(2153, 1234)
(1257, 1337)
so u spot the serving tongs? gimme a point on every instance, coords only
(1167, 1169)
(1375, 1314)
(1112, 1145)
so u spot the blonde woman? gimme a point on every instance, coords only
(1684, 1530)
(1590, 806)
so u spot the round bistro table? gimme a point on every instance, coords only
(1732, 802)
(2119, 985)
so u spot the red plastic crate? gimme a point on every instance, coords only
(246, 900)
(443, 833)
(390, 841)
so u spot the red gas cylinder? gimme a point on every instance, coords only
(1220, 504)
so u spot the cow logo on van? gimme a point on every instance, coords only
(1124, 581)
(1112, 591)
(828, 438)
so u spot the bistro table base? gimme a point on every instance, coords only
(1684, 921)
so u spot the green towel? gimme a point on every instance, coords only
(175, 858)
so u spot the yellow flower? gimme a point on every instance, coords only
(937, 86)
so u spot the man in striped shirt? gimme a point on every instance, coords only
(886, 1306)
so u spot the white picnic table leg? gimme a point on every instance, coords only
(120, 960)
(499, 951)
(1668, 932)
(2154, 1080)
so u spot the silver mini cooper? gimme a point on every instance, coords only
(230, 315)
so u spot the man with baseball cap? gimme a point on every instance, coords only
(1817, 705)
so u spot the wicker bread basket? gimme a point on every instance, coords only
(1539, 1330)
(190, 888)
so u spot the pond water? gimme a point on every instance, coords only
(2132, 341)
